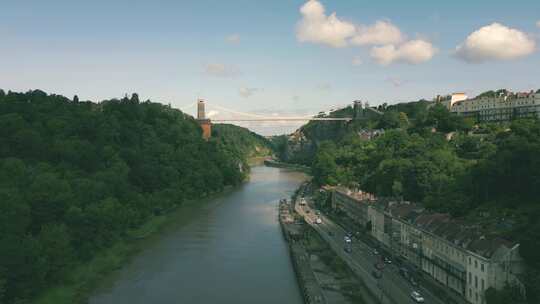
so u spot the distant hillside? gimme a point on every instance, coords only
(240, 142)
(301, 146)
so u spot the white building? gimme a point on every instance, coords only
(499, 108)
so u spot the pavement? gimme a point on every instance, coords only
(391, 288)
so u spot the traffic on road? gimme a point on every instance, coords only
(392, 283)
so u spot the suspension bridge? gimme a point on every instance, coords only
(205, 120)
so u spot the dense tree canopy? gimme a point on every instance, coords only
(76, 176)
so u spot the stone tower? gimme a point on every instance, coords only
(358, 111)
(205, 123)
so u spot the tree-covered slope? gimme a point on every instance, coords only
(240, 142)
(77, 176)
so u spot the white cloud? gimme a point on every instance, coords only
(356, 61)
(495, 42)
(412, 52)
(395, 81)
(247, 92)
(380, 33)
(324, 87)
(221, 70)
(390, 44)
(538, 23)
(233, 38)
(316, 27)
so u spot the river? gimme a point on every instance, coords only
(228, 249)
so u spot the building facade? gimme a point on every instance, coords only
(503, 107)
(457, 254)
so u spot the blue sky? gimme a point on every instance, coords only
(250, 55)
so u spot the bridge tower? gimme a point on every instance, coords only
(205, 123)
(358, 111)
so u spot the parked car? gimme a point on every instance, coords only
(417, 297)
(387, 260)
(347, 249)
(347, 239)
(375, 252)
(404, 273)
(376, 274)
(318, 221)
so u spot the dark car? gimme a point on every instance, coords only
(379, 265)
(413, 281)
(347, 249)
(376, 274)
(404, 273)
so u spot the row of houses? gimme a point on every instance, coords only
(456, 253)
(502, 106)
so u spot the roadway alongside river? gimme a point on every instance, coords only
(228, 249)
(391, 288)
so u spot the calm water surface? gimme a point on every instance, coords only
(228, 249)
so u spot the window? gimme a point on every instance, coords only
(469, 261)
(475, 282)
(475, 264)
(470, 278)
(482, 284)
(482, 267)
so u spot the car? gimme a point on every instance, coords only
(387, 260)
(318, 221)
(375, 252)
(376, 274)
(347, 249)
(317, 212)
(417, 297)
(307, 211)
(347, 239)
(404, 273)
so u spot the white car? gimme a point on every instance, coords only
(318, 221)
(417, 297)
(347, 239)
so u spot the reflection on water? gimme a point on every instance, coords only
(230, 250)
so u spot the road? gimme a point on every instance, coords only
(391, 288)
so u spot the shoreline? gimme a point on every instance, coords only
(85, 278)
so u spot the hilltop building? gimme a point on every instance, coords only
(497, 106)
(501, 107)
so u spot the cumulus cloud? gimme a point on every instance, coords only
(412, 52)
(233, 38)
(395, 81)
(538, 23)
(380, 33)
(389, 43)
(316, 27)
(356, 61)
(324, 87)
(495, 42)
(247, 92)
(221, 70)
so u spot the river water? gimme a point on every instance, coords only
(228, 249)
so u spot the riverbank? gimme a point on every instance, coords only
(322, 275)
(278, 164)
(84, 278)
